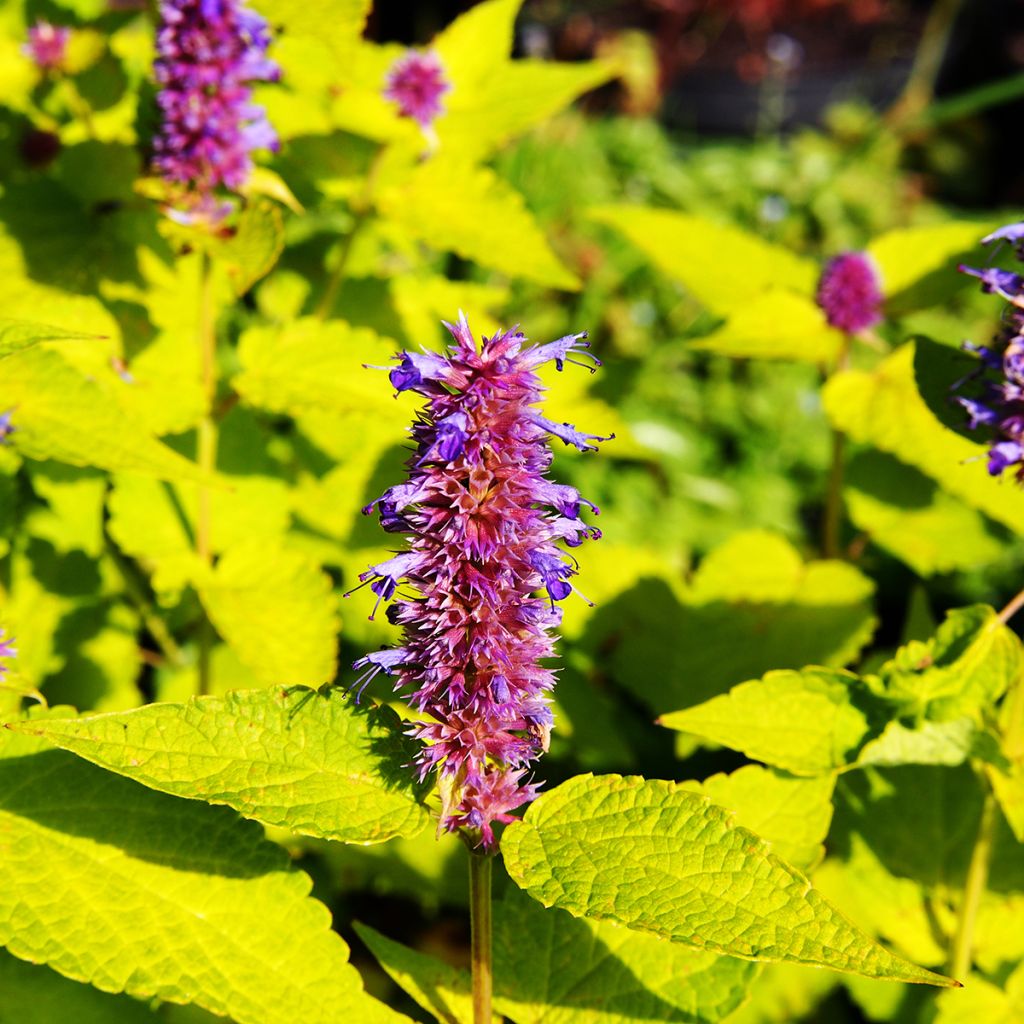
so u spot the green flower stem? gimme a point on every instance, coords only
(833, 517)
(207, 449)
(338, 274)
(974, 886)
(480, 932)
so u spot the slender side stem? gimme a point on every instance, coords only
(1012, 608)
(834, 495)
(974, 887)
(207, 448)
(480, 929)
(338, 274)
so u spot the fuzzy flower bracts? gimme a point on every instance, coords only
(208, 54)
(484, 570)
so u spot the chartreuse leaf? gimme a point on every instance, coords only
(18, 334)
(552, 968)
(914, 262)
(134, 891)
(963, 669)
(422, 301)
(784, 993)
(982, 1002)
(792, 814)
(656, 858)
(457, 206)
(906, 513)
(804, 722)
(37, 995)
(949, 743)
(883, 408)
(278, 613)
(316, 764)
(473, 44)
(753, 605)
(775, 325)
(61, 414)
(252, 250)
(723, 266)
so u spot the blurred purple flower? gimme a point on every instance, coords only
(850, 292)
(47, 45)
(6, 426)
(484, 523)
(208, 54)
(7, 649)
(416, 82)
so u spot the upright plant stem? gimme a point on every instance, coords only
(207, 449)
(974, 887)
(834, 495)
(338, 274)
(1011, 609)
(480, 934)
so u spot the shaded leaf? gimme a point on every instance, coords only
(315, 764)
(656, 858)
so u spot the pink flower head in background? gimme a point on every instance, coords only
(850, 292)
(7, 650)
(484, 568)
(46, 45)
(416, 82)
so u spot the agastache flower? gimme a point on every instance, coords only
(999, 409)
(850, 292)
(7, 650)
(416, 82)
(6, 426)
(209, 52)
(47, 45)
(476, 592)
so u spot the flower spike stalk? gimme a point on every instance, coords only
(485, 569)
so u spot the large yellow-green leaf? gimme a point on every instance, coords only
(906, 513)
(277, 610)
(61, 414)
(804, 722)
(753, 605)
(775, 325)
(883, 408)
(134, 891)
(317, 764)
(552, 968)
(657, 858)
(456, 206)
(474, 45)
(723, 266)
(252, 250)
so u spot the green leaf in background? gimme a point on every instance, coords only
(883, 408)
(949, 743)
(792, 814)
(723, 266)
(982, 1002)
(134, 891)
(63, 415)
(74, 518)
(252, 250)
(784, 993)
(918, 264)
(659, 859)
(969, 663)
(454, 206)
(753, 605)
(279, 614)
(552, 968)
(942, 374)
(907, 513)
(37, 995)
(775, 325)
(18, 334)
(804, 722)
(474, 43)
(317, 764)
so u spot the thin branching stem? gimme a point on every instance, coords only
(480, 934)
(833, 518)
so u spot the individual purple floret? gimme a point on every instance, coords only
(7, 650)
(416, 82)
(999, 408)
(6, 426)
(476, 592)
(47, 45)
(208, 54)
(850, 292)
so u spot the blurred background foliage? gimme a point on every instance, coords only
(668, 175)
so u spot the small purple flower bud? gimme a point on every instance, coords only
(569, 435)
(1002, 282)
(1003, 455)
(47, 45)
(484, 523)
(850, 292)
(416, 82)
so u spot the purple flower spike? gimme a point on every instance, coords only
(484, 570)
(998, 408)
(208, 54)
(416, 82)
(850, 292)
(47, 45)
